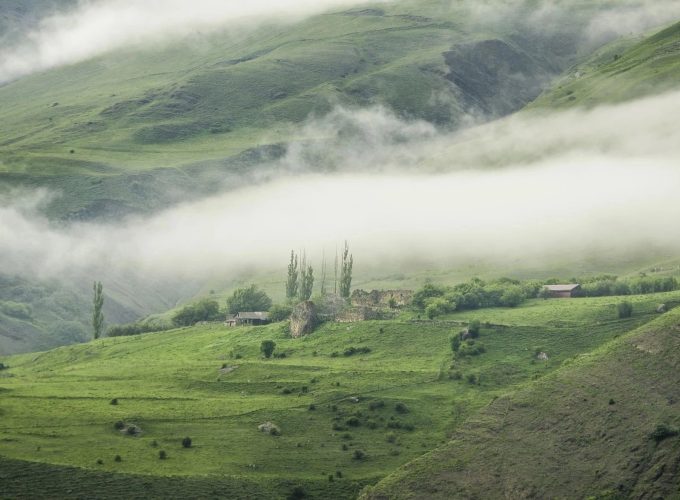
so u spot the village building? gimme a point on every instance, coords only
(247, 318)
(562, 291)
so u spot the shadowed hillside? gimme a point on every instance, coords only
(591, 429)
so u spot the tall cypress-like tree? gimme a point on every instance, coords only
(323, 274)
(306, 282)
(97, 313)
(292, 281)
(346, 272)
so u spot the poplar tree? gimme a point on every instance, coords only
(346, 272)
(292, 281)
(97, 313)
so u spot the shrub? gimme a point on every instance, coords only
(455, 375)
(351, 351)
(204, 310)
(344, 447)
(625, 309)
(267, 348)
(162, 455)
(100, 462)
(154, 444)
(119, 426)
(114, 401)
(331, 478)
(471, 348)
(186, 442)
(472, 378)
(401, 408)
(298, 493)
(358, 455)
(376, 405)
(437, 307)
(455, 343)
(353, 421)
(3, 367)
(280, 312)
(117, 459)
(248, 299)
(312, 407)
(473, 328)
(391, 437)
(662, 432)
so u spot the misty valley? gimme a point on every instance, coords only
(339, 249)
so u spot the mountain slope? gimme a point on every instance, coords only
(625, 70)
(587, 430)
(381, 387)
(151, 116)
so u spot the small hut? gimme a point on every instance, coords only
(562, 291)
(247, 318)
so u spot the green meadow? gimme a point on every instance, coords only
(397, 398)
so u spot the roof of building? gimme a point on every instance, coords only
(264, 316)
(562, 288)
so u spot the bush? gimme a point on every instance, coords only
(472, 378)
(437, 307)
(186, 442)
(280, 312)
(376, 405)
(3, 367)
(119, 426)
(312, 407)
(401, 408)
(114, 401)
(455, 343)
(471, 348)
(162, 455)
(204, 310)
(267, 348)
(249, 299)
(625, 309)
(351, 351)
(298, 493)
(473, 328)
(353, 421)
(662, 432)
(358, 455)
(391, 437)
(117, 459)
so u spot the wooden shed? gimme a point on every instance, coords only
(247, 318)
(562, 291)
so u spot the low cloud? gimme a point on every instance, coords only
(96, 27)
(526, 187)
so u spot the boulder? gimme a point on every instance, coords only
(542, 356)
(661, 308)
(269, 428)
(303, 319)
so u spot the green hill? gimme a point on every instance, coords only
(602, 426)
(139, 129)
(625, 70)
(393, 396)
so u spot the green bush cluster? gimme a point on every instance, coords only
(204, 310)
(131, 329)
(436, 300)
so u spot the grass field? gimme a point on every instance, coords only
(627, 69)
(587, 430)
(211, 383)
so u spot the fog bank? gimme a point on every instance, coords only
(523, 188)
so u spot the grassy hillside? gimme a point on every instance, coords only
(590, 428)
(142, 128)
(624, 70)
(210, 383)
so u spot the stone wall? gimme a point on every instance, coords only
(381, 298)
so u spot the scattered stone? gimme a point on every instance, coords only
(661, 308)
(542, 356)
(269, 428)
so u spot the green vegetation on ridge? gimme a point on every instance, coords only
(394, 397)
